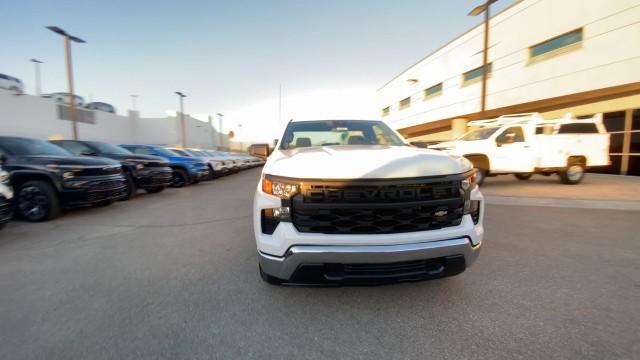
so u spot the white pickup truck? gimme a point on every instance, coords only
(524, 144)
(349, 202)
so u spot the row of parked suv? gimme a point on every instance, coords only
(39, 179)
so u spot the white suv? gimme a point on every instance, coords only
(349, 202)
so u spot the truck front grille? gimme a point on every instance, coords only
(381, 207)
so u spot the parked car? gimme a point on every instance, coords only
(11, 83)
(6, 198)
(350, 202)
(101, 106)
(524, 144)
(211, 164)
(228, 166)
(65, 98)
(47, 178)
(151, 173)
(216, 164)
(185, 170)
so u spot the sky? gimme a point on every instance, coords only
(231, 56)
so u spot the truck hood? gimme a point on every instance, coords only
(139, 157)
(66, 160)
(362, 162)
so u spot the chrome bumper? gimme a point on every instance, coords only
(284, 267)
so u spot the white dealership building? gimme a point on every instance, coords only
(547, 56)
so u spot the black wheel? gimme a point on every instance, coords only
(131, 190)
(37, 201)
(573, 174)
(523, 176)
(154, 190)
(103, 203)
(178, 178)
(271, 280)
(480, 175)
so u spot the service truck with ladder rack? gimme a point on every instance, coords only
(524, 144)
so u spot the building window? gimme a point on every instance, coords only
(385, 111)
(476, 73)
(405, 103)
(433, 91)
(557, 43)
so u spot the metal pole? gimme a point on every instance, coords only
(134, 105)
(221, 143)
(485, 57)
(182, 126)
(37, 69)
(72, 101)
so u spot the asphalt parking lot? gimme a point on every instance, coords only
(174, 276)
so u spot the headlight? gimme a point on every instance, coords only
(4, 177)
(471, 207)
(139, 166)
(279, 189)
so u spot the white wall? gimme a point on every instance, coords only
(30, 116)
(609, 56)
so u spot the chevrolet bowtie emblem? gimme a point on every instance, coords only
(440, 213)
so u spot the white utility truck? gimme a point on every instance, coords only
(524, 144)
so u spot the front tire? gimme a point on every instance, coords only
(131, 188)
(37, 201)
(523, 176)
(573, 174)
(481, 174)
(178, 178)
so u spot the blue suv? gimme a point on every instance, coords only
(185, 170)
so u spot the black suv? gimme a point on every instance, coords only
(46, 178)
(151, 173)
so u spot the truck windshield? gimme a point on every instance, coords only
(338, 132)
(181, 152)
(20, 146)
(106, 148)
(478, 134)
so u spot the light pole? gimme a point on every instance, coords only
(36, 64)
(72, 101)
(134, 105)
(484, 8)
(183, 135)
(220, 116)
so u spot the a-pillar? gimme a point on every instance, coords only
(458, 127)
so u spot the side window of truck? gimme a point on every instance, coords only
(544, 130)
(518, 134)
(578, 128)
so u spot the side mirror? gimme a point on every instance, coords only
(259, 150)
